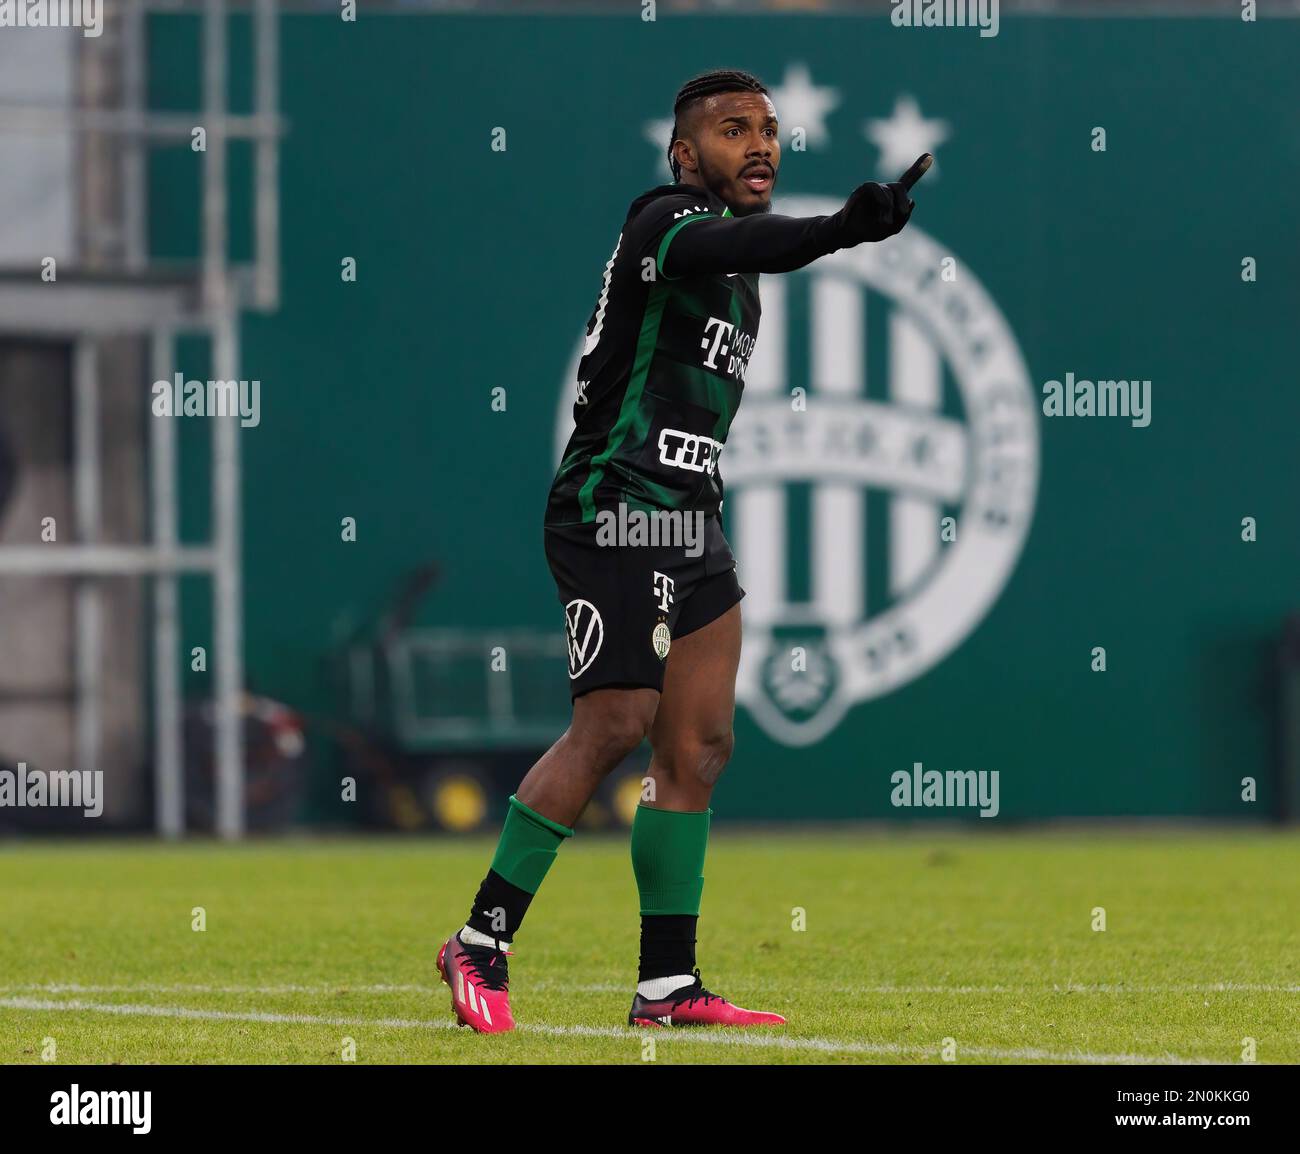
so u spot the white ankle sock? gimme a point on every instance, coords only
(657, 988)
(472, 937)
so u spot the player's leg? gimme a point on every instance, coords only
(615, 678)
(691, 740)
(607, 725)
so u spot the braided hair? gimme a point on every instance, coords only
(707, 84)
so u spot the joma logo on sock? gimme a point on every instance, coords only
(77, 1107)
(953, 789)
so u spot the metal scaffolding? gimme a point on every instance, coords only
(134, 299)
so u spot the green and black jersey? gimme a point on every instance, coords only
(663, 365)
(662, 370)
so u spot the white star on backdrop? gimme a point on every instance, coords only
(801, 104)
(904, 136)
(657, 133)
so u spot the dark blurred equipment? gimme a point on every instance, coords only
(274, 769)
(8, 472)
(1288, 721)
(438, 725)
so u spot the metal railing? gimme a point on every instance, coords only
(135, 300)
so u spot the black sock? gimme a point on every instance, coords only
(667, 945)
(499, 907)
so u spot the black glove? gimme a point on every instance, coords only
(874, 212)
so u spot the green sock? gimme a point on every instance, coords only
(527, 847)
(668, 859)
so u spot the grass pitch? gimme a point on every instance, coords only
(909, 939)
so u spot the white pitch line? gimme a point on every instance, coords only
(545, 985)
(1020, 991)
(200, 988)
(757, 1041)
(38, 1004)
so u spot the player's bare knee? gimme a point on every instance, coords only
(615, 731)
(716, 753)
(699, 758)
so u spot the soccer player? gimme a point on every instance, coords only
(653, 626)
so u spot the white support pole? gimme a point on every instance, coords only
(169, 768)
(176, 127)
(228, 640)
(104, 560)
(267, 185)
(227, 593)
(133, 145)
(215, 216)
(88, 603)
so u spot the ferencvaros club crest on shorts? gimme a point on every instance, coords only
(661, 639)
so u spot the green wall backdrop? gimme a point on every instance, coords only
(478, 269)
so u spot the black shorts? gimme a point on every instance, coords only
(624, 604)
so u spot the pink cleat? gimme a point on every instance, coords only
(693, 1005)
(480, 996)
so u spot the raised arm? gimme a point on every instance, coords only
(768, 243)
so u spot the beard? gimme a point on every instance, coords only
(715, 180)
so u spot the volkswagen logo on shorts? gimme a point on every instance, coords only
(584, 632)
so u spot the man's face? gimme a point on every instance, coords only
(734, 150)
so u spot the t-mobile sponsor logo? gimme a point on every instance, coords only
(726, 348)
(664, 587)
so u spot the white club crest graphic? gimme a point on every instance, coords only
(950, 431)
(661, 640)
